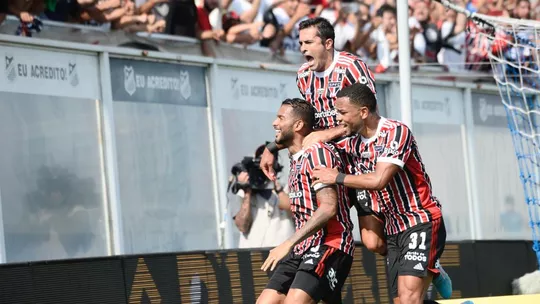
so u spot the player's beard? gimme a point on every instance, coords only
(285, 137)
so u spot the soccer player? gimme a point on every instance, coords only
(319, 79)
(317, 259)
(388, 158)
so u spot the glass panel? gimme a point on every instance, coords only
(441, 148)
(51, 178)
(500, 192)
(165, 177)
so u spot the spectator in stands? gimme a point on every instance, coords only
(131, 21)
(247, 11)
(523, 9)
(381, 39)
(280, 29)
(103, 12)
(26, 10)
(362, 29)
(426, 35)
(237, 31)
(204, 28)
(158, 8)
(453, 53)
(61, 10)
(243, 22)
(344, 30)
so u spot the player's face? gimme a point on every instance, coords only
(315, 50)
(350, 116)
(284, 125)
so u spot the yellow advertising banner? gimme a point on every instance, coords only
(522, 299)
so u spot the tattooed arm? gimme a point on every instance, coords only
(327, 198)
(243, 218)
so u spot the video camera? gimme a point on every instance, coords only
(257, 179)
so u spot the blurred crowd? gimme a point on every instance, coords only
(368, 28)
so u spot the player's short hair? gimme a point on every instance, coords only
(386, 8)
(325, 30)
(302, 110)
(360, 95)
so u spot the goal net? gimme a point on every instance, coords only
(512, 47)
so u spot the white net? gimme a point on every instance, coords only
(512, 47)
(514, 53)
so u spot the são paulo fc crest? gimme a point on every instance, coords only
(11, 74)
(129, 80)
(73, 75)
(185, 85)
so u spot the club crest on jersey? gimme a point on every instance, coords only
(334, 84)
(340, 70)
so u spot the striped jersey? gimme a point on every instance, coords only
(408, 199)
(320, 88)
(303, 200)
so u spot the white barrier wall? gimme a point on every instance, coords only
(53, 192)
(89, 133)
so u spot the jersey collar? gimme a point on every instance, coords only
(374, 137)
(296, 156)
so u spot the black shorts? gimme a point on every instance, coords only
(415, 251)
(361, 200)
(320, 272)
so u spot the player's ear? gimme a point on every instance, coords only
(329, 44)
(364, 112)
(298, 125)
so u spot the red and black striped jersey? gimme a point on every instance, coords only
(320, 88)
(303, 199)
(408, 199)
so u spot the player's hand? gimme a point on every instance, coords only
(267, 164)
(323, 175)
(313, 138)
(276, 255)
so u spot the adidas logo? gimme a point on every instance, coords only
(310, 261)
(418, 267)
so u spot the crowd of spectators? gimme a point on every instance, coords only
(368, 28)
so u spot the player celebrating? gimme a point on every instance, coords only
(318, 257)
(388, 158)
(319, 79)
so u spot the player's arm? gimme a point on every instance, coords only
(395, 153)
(327, 200)
(324, 136)
(378, 180)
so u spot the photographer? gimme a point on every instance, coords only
(264, 218)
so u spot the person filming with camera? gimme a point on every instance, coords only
(264, 218)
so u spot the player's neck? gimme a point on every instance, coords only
(329, 60)
(370, 126)
(296, 145)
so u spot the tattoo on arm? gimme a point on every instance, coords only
(327, 199)
(243, 218)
